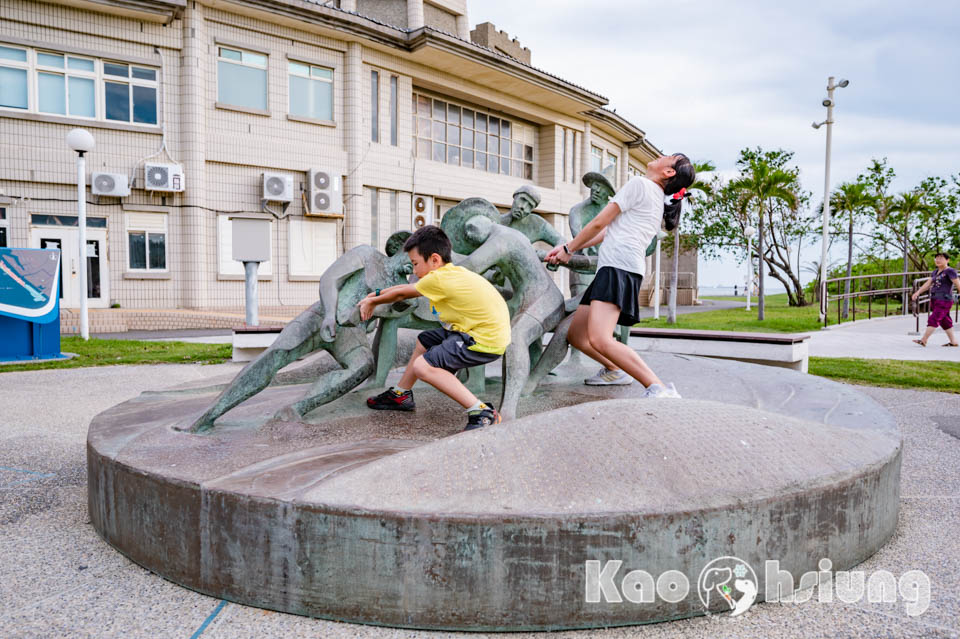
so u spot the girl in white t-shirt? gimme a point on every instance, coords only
(625, 226)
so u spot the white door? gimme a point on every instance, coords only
(67, 240)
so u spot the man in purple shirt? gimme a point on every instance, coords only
(941, 284)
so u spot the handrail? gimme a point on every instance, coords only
(858, 291)
(925, 299)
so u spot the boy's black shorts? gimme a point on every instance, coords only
(450, 350)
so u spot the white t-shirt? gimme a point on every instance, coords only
(641, 212)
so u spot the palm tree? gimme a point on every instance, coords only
(700, 189)
(850, 198)
(904, 206)
(759, 186)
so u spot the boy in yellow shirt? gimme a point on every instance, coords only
(476, 327)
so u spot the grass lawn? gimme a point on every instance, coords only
(780, 317)
(106, 352)
(895, 373)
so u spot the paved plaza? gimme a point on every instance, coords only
(63, 580)
(884, 338)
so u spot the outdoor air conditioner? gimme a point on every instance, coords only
(112, 184)
(163, 177)
(324, 192)
(277, 187)
(422, 211)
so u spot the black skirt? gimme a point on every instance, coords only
(618, 287)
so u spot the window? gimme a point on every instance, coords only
(130, 93)
(566, 144)
(77, 86)
(3, 228)
(393, 110)
(372, 194)
(470, 137)
(14, 70)
(596, 159)
(374, 106)
(226, 265)
(147, 241)
(311, 91)
(577, 141)
(612, 161)
(394, 210)
(242, 78)
(633, 172)
(313, 246)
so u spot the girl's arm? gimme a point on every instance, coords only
(592, 234)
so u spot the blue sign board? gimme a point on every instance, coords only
(29, 303)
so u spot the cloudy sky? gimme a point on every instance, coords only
(709, 78)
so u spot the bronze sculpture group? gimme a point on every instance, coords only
(501, 247)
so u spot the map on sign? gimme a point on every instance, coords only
(28, 283)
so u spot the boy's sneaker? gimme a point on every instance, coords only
(392, 399)
(481, 418)
(607, 377)
(662, 392)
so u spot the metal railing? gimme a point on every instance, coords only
(869, 287)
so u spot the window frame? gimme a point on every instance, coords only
(34, 68)
(331, 81)
(265, 68)
(596, 158)
(453, 121)
(132, 228)
(5, 227)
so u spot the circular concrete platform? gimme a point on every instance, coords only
(399, 519)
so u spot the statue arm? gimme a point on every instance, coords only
(330, 284)
(550, 235)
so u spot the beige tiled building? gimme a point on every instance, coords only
(195, 105)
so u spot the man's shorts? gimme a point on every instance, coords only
(450, 350)
(940, 314)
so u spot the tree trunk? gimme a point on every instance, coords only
(761, 264)
(846, 286)
(674, 276)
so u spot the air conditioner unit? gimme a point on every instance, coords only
(163, 177)
(277, 187)
(325, 192)
(422, 211)
(112, 184)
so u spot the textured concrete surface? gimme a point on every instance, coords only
(888, 338)
(63, 580)
(490, 530)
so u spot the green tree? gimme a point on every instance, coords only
(766, 186)
(850, 200)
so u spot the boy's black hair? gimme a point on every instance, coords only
(428, 240)
(944, 255)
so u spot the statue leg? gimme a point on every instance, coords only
(536, 351)
(476, 381)
(385, 347)
(298, 338)
(356, 357)
(624, 334)
(516, 362)
(552, 357)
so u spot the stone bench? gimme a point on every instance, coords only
(787, 350)
(250, 341)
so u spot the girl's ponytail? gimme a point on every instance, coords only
(676, 186)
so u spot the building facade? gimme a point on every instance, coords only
(337, 122)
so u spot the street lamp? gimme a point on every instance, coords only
(749, 232)
(828, 102)
(81, 141)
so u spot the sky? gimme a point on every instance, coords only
(709, 78)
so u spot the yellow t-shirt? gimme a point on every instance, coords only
(468, 303)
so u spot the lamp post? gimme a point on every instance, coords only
(749, 232)
(828, 102)
(656, 276)
(81, 141)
